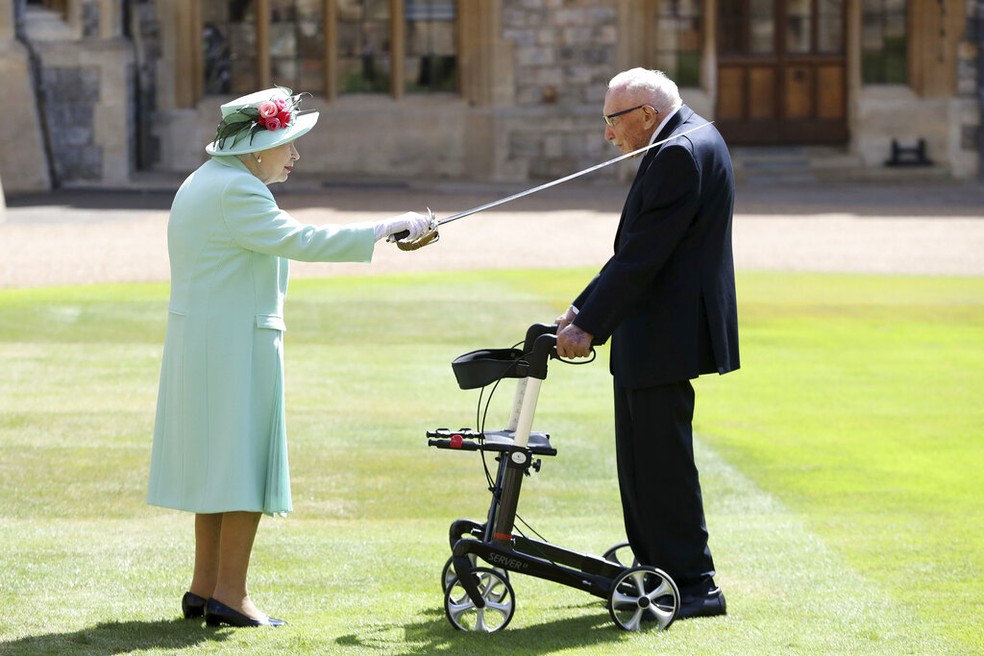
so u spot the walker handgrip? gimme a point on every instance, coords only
(544, 348)
(535, 331)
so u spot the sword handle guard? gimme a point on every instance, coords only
(428, 237)
(419, 242)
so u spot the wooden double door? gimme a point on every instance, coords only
(782, 71)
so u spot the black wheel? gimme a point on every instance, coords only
(643, 597)
(495, 590)
(621, 554)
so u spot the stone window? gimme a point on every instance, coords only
(330, 47)
(883, 42)
(431, 54)
(677, 38)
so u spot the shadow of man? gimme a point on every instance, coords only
(434, 635)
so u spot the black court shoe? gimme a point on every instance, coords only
(217, 614)
(192, 605)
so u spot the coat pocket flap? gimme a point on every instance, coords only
(270, 321)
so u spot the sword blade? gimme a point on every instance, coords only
(566, 178)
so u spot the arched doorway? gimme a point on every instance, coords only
(782, 71)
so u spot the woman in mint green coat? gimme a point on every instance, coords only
(220, 441)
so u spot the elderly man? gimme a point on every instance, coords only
(667, 300)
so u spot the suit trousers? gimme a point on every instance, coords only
(659, 484)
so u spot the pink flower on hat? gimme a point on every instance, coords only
(274, 114)
(268, 109)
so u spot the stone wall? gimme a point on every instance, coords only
(565, 51)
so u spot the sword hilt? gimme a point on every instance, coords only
(419, 242)
(428, 237)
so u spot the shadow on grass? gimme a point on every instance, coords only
(115, 638)
(436, 636)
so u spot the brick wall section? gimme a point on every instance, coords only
(564, 57)
(71, 100)
(564, 46)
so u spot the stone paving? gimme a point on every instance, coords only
(85, 236)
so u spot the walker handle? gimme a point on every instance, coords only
(535, 331)
(544, 348)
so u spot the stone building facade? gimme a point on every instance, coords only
(104, 90)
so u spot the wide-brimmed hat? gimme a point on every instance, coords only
(261, 120)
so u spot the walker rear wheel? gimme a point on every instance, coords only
(495, 590)
(643, 597)
(621, 554)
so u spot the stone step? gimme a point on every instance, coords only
(772, 164)
(42, 24)
(799, 164)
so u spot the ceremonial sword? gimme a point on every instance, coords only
(432, 236)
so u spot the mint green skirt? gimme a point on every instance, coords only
(220, 436)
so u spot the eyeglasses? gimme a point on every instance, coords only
(608, 117)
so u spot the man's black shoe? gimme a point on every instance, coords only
(709, 604)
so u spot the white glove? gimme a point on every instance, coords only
(414, 223)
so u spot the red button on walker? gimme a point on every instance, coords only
(456, 441)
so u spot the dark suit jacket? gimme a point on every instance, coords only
(667, 296)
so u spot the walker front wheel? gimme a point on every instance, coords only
(448, 575)
(495, 591)
(642, 597)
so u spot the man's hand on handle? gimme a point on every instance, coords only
(572, 342)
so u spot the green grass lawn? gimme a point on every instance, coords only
(840, 470)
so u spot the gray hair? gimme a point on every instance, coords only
(648, 85)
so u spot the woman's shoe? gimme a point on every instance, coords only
(217, 614)
(192, 605)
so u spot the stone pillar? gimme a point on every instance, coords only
(7, 40)
(7, 33)
(24, 167)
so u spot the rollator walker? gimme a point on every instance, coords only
(478, 595)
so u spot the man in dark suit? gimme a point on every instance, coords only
(667, 300)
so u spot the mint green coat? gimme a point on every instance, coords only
(220, 440)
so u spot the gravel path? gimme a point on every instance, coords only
(76, 237)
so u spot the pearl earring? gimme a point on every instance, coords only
(259, 159)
